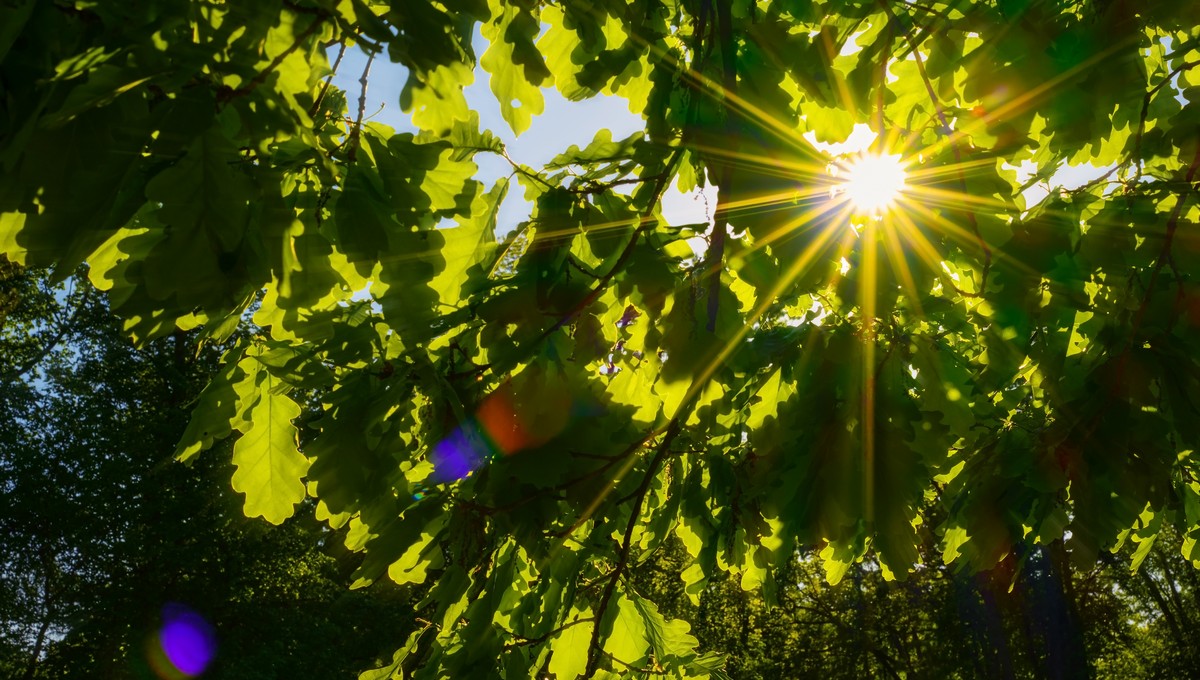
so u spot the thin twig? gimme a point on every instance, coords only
(325, 87)
(228, 94)
(1163, 256)
(635, 512)
(593, 187)
(962, 180)
(66, 326)
(1137, 142)
(524, 170)
(881, 93)
(645, 221)
(362, 108)
(523, 641)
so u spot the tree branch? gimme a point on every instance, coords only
(1163, 256)
(61, 333)
(523, 641)
(984, 249)
(716, 247)
(325, 87)
(645, 221)
(227, 94)
(1137, 142)
(362, 108)
(627, 542)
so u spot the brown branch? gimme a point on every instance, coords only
(636, 669)
(588, 475)
(881, 92)
(645, 221)
(48, 601)
(716, 247)
(610, 461)
(523, 169)
(66, 326)
(562, 486)
(881, 655)
(325, 87)
(635, 513)
(362, 109)
(984, 249)
(1163, 256)
(523, 641)
(227, 94)
(1137, 143)
(592, 187)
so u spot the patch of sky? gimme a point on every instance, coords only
(563, 124)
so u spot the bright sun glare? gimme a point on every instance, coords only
(874, 182)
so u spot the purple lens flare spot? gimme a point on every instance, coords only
(187, 640)
(458, 455)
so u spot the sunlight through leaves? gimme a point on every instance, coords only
(873, 182)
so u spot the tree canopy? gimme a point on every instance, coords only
(520, 420)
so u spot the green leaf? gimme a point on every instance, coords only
(469, 248)
(269, 465)
(435, 98)
(628, 641)
(515, 64)
(203, 192)
(669, 640)
(216, 412)
(570, 648)
(12, 19)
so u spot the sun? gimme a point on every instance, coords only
(873, 182)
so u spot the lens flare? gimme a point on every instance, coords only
(509, 420)
(462, 452)
(185, 644)
(874, 182)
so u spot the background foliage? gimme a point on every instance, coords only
(521, 423)
(101, 528)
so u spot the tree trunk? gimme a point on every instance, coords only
(1068, 657)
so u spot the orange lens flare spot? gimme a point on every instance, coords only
(514, 418)
(498, 418)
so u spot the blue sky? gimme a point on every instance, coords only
(564, 123)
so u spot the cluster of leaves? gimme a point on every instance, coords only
(1015, 374)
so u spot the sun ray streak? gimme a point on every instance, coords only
(867, 301)
(964, 237)
(895, 251)
(810, 253)
(925, 249)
